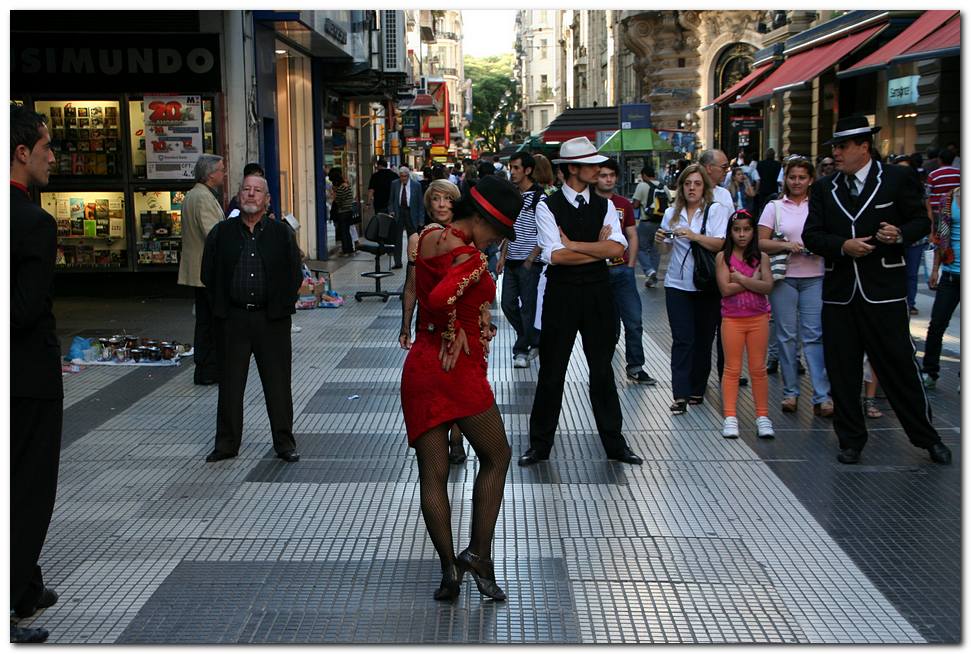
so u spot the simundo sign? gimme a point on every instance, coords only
(85, 62)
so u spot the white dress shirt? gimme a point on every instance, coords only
(548, 232)
(724, 197)
(861, 176)
(681, 266)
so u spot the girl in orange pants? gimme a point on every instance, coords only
(745, 280)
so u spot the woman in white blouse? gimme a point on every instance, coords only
(692, 314)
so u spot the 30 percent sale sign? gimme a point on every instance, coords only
(173, 135)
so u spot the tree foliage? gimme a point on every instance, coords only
(491, 107)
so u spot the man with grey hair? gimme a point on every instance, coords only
(201, 211)
(717, 166)
(251, 269)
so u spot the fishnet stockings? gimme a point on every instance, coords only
(487, 435)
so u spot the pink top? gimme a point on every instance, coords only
(747, 303)
(791, 222)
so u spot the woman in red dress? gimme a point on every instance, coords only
(444, 378)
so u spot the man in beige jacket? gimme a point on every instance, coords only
(201, 210)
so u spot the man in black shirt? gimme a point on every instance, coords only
(251, 269)
(379, 188)
(768, 184)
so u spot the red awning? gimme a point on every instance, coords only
(741, 86)
(943, 42)
(805, 66)
(916, 32)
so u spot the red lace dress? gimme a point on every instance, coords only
(449, 297)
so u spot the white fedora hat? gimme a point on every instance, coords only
(579, 151)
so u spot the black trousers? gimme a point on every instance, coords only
(945, 302)
(342, 226)
(694, 318)
(248, 333)
(35, 454)
(589, 310)
(883, 332)
(401, 224)
(206, 342)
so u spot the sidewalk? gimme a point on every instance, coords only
(710, 541)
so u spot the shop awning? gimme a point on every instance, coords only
(581, 121)
(922, 28)
(737, 89)
(635, 140)
(945, 41)
(805, 66)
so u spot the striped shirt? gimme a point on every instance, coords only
(526, 236)
(344, 200)
(940, 181)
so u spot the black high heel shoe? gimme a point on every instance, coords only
(456, 455)
(483, 572)
(448, 591)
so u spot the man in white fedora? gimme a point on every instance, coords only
(577, 231)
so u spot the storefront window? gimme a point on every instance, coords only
(90, 228)
(85, 136)
(136, 122)
(158, 227)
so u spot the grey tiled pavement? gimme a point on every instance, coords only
(710, 541)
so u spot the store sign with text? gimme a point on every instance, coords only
(96, 63)
(902, 90)
(173, 135)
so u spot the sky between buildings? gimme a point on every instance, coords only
(488, 32)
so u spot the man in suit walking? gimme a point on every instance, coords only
(36, 406)
(201, 211)
(407, 205)
(251, 269)
(861, 219)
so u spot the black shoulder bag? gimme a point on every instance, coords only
(704, 275)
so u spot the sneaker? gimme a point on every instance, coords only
(929, 382)
(533, 353)
(295, 329)
(764, 426)
(730, 428)
(641, 377)
(520, 361)
(651, 279)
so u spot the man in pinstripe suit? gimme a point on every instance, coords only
(860, 219)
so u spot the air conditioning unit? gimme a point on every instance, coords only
(393, 47)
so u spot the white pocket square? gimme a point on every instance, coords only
(882, 206)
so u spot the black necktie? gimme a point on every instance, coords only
(580, 202)
(404, 196)
(851, 183)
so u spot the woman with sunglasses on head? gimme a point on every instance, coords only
(444, 378)
(744, 279)
(692, 314)
(439, 199)
(797, 300)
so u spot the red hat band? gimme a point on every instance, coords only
(495, 213)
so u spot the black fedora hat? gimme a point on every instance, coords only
(851, 126)
(498, 201)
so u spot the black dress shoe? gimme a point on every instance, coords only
(532, 456)
(205, 382)
(849, 456)
(28, 634)
(47, 599)
(290, 456)
(451, 584)
(940, 453)
(218, 456)
(484, 574)
(627, 456)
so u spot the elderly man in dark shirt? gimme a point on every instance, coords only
(251, 269)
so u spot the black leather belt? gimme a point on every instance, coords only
(249, 307)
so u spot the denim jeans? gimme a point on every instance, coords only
(773, 340)
(693, 318)
(648, 255)
(797, 304)
(628, 303)
(519, 303)
(914, 256)
(945, 302)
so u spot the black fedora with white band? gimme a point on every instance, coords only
(851, 127)
(579, 151)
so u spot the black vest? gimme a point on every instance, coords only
(579, 225)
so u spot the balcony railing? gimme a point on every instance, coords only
(451, 36)
(442, 70)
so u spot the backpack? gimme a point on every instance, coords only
(657, 203)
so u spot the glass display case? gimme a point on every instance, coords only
(91, 230)
(158, 227)
(85, 137)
